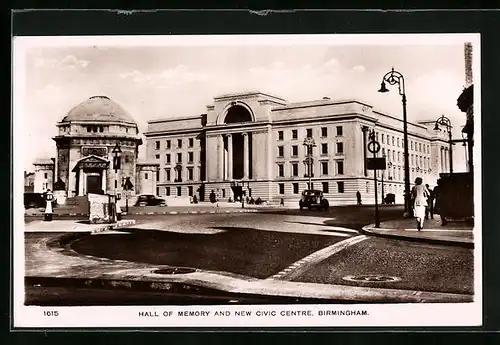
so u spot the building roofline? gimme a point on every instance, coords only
(181, 118)
(318, 102)
(248, 93)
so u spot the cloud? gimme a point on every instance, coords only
(359, 68)
(178, 75)
(67, 62)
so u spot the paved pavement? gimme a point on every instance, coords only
(64, 226)
(453, 233)
(273, 256)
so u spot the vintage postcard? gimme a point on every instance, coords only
(247, 181)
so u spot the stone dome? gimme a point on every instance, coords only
(99, 108)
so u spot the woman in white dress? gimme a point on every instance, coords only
(419, 195)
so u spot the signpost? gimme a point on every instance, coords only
(375, 164)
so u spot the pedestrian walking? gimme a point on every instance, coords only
(358, 197)
(439, 202)
(419, 195)
(430, 203)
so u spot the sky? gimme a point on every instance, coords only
(163, 81)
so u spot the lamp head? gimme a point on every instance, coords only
(383, 89)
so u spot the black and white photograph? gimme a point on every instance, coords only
(247, 180)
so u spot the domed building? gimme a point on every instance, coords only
(87, 139)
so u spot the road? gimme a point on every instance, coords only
(277, 245)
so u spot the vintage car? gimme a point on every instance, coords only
(34, 200)
(389, 199)
(150, 200)
(313, 199)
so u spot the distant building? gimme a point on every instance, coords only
(84, 161)
(29, 182)
(253, 142)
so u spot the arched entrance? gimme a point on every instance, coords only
(238, 146)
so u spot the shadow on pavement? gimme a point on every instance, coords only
(246, 251)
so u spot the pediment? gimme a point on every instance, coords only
(91, 161)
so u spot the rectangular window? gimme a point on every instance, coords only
(179, 157)
(191, 142)
(389, 154)
(393, 141)
(168, 158)
(324, 168)
(157, 190)
(295, 151)
(340, 148)
(157, 145)
(223, 193)
(167, 172)
(340, 168)
(411, 159)
(190, 173)
(281, 187)
(167, 191)
(190, 190)
(382, 138)
(294, 134)
(280, 135)
(179, 191)
(419, 147)
(146, 176)
(340, 131)
(158, 176)
(281, 170)
(311, 186)
(157, 156)
(45, 175)
(393, 155)
(295, 169)
(179, 143)
(295, 188)
(324, 149)
(398, 141)
(280, 151)
(340, 186)
(309, 150)
(190, 157)
(169, 144)
(324, 132)
(399, 156)
(309, 132)
(325, 187)
(411, 145)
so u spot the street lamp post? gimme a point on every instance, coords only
(394, 77)
(117, 166)
(309, 143)
(383, 172)
(444, 121)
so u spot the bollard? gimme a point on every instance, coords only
(48, 207)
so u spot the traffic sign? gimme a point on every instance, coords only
(373, 146)
(375, 163)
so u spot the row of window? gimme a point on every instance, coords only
(309, 133)
(325, 187)
(178, 174)
(323, 148)
(168, 157)
(177, 189)
(391, 140)
(168, 144)
(323, 165)
(423, 162)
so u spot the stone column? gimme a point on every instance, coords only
(103, 180)
(230, 157)
(221, 156)
(80, 181)
(245, 156)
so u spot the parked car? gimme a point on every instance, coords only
(150, 200)
(313, 199)
(389, 199)
(34, 200)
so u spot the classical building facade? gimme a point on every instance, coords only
(85, 142)
(253, 142)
